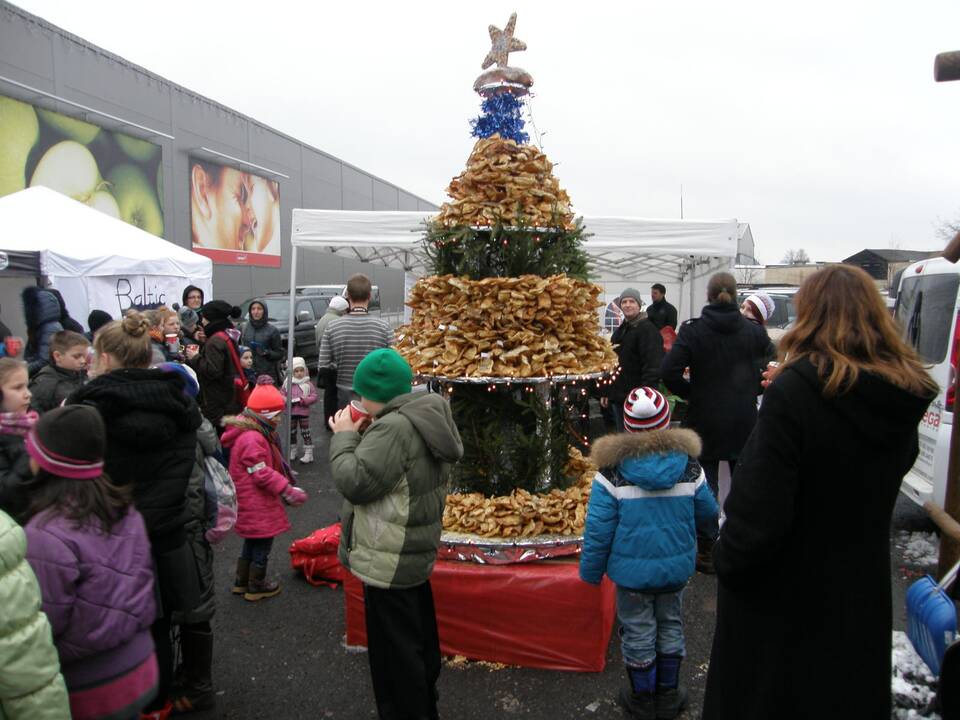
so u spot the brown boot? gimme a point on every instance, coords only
(705, 556)
(241, 578)
(259, 587)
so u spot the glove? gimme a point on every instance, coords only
(292, 495)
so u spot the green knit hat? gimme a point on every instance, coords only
(382, 375)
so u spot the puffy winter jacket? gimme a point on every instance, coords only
(256, 467)
(31, 687)
(640, 350)
(306, 393)
(15, 475)
(394, 482)
(42, 314)
(52, 385)
(642, 522)
(97, 591)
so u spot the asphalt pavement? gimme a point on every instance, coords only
(285, 657)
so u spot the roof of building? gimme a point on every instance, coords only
(891, 255)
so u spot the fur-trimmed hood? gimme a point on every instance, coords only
(611, 450)
(236, 425)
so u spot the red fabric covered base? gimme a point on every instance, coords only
(533, 614)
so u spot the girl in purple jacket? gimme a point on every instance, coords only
(302, 394)
(89, 549)
(264, 482)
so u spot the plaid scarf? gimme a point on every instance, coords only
(17, 423)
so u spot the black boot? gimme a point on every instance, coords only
(638, 698)
(195, 691)
(242, 577)
(259, 587)
(705, 556)
(671, 698)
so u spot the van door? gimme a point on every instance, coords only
(926, 312)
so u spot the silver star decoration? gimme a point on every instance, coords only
(503, 44)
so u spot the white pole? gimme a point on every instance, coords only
(291, 341)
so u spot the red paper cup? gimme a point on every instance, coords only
(357, 411)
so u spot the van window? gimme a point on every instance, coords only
(925, 310)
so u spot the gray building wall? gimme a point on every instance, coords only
(40, 55)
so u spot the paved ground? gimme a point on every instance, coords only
(285, 657)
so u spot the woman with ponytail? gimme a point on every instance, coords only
(803, 560)
(151, 427)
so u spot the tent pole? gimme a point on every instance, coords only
(291, 342)
(693, 278)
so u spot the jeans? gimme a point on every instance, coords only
(650, 624)
(256, 550)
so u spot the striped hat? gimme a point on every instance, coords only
(645, 409)
(69, 442)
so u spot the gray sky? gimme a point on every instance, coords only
(818, 123)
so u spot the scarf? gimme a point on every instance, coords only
(19, 424)
(302, 382)
(273, 438)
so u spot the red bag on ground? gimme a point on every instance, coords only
(316, 556)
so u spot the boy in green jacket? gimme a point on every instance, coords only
(393, 478)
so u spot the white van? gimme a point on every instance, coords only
(926, 310)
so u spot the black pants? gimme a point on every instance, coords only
(404, 651)
(329, 405)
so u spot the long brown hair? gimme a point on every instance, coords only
(844, 328)
(79, 500)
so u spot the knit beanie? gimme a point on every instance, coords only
(188, 318)
(219, 310)
(266, 400)
(339, 304)
(632, 293)
(382, 375)
(645, 409)
(97, 319)
(299, 362)
(763, 304)
(69, 442)
(191, 386)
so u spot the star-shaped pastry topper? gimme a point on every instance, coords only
(503, 44)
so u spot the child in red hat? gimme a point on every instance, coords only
(264, 482)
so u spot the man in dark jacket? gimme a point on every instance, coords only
(640, 349)
(214, 363)
(724, 352)
(263, 339)
(41, 311)
(661, 313)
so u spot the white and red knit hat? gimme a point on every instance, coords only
(763, 305)
(645, 409)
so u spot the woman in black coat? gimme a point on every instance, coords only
(804, 612)
(725, 354)
(151, 446)
(214, 364)
(264, 339)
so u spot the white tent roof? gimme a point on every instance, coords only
(619, 249)
(76, 240)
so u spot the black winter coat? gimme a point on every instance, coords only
(724, 352)
(662, 314)
(265, 342)
(41, 311)
(151, 444)
(215, 371)
(15, 476)
(52, 385)
(804, 612)
(640, 349)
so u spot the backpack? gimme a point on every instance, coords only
(220, 500)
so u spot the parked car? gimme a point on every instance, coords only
(329, 291)
(307, 308)
(926, 310)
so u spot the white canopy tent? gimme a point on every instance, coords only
(97, 261)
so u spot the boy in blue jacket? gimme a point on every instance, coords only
(645, 507)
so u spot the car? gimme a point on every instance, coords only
(329, 291)
(308, 309)
(926, 311)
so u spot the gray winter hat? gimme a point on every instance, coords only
(632, 293)
(188, 318)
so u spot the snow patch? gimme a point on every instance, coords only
(919, 548)
(914, 688)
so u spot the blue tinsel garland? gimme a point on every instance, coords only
(501, 114)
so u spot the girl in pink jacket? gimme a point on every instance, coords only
(302, 395)
(264, 482)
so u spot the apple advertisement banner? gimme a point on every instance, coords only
(234, 215)
(115, 173)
